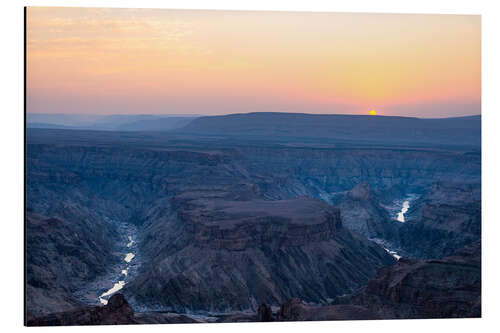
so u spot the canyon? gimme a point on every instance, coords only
(223, 224)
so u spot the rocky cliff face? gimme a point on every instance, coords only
(117, 312)
(412, 288)
(288, 172)
(444, 288)
(444, 220)
(63, 253)
(240, 254)
(362, 212)
(294, 309)
(446, 217)
(240, 225)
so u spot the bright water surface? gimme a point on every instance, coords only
(119, 285)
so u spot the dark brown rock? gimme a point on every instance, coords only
(117, 304)
(222, 255)
(444, 288)
(264, 313)
(292, 310)
(295, 310)
(116, 312)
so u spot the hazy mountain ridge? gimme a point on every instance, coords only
(405, 130)
(108, 122)
(287, 126)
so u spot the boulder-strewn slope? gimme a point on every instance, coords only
(234, 255)
(412, 288)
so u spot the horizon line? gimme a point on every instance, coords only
(246, 113)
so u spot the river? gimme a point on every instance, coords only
(400, 207)
(129, 256)
(404, 209)
(386, 245)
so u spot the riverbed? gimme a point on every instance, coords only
(402, 212)
(129, 256)
(119, 271)
(400, 207)
(387, 247)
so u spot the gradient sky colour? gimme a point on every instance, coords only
(159, 61)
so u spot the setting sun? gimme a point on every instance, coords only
(373, 113)
(76, 57)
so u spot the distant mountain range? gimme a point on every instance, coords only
(404, 130)
(108, 122)
(284, 126)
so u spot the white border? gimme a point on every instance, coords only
(12, 159)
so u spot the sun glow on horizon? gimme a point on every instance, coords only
(157, 61)
(373, 113)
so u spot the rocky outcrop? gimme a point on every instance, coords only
(292, 310)
(64, 252)
(295, 310)
(240, 225)
(361, 192)
(236, 255)
(362, 212)
(444, 288)
(264, 313)
(116, 312)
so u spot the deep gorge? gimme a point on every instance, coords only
(168, 193)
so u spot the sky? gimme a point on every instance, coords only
(159, 61)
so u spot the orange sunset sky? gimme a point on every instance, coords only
(159, 61)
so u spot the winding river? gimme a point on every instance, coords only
(393, 253)
(404, 209)
(398, 209)
(130, 255)
(103, 298)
